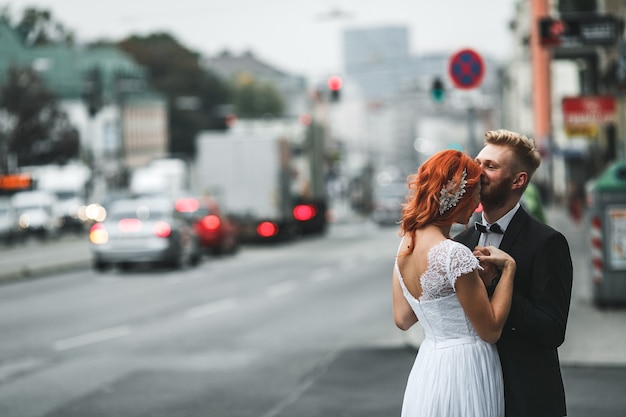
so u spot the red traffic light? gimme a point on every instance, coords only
(551, 31)
(335, 82)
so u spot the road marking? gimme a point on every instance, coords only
(297, 391)
(322, 274)
(91, 338)
(108, 280)
(281, 289)
(211, 308)
(348, 264)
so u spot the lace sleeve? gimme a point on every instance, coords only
(462, 261)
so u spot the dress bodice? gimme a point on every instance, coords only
(438, 308)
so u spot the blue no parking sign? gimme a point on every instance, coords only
(466, 69)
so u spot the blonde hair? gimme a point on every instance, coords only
(527, 157)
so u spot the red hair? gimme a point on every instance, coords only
(421, 206)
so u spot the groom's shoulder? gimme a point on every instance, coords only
(463, 237)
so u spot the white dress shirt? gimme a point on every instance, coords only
(494, 239)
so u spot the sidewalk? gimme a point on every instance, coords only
(33, 258)
(370, 383)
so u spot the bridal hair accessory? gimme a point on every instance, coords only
(449, 195)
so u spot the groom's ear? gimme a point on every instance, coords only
(520, 180)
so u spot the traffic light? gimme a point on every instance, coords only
(551, 30)
(438, 90)
(93, 90)
(335, 83)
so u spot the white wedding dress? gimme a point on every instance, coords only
(455, 374)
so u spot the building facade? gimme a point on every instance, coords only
(126, 108)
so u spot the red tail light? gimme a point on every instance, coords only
(267, 229)
(211, 222)
(304, 212)
(129, 225)
(162, 229)
(187, 205)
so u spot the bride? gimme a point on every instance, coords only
(441, 283)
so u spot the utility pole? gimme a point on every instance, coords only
(542, 94)
(542, 97)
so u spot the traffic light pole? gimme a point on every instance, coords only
(542, 100)
(472, 142)
(542, 96)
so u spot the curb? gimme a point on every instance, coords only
(29, 272)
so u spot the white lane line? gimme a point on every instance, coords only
(211, 308)
(92, 337)
(281, 289)
(348, 264)
(322, 274)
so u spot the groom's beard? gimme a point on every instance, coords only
(496, 195)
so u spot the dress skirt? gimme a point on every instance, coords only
(455, 378)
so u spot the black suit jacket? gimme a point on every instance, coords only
(535, 328)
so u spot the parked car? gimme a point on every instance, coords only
(68, 207)
(144, 230)
(9, 228)
(216, 232)
(387, 203)
(37, 213)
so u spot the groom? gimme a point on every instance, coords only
(535, 328)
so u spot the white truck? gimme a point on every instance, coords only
(263, 177)
(165, 176)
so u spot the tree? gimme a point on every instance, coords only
(34, 128)
(38, 27)
(194, 95)
(253, 99)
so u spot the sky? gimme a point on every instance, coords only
(303, 38)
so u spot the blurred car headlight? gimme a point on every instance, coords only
(98, 234)
(93, 212)
(24, 221)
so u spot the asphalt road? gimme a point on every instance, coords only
(302, 329)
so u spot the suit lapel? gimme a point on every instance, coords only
(473, 239)
(513, 230)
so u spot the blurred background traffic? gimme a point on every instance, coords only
(245, 149)
(211, 191)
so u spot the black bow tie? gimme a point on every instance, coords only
(494, 228)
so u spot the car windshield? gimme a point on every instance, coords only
(191, 208)
(66, 195)
(143, 210)
(32, 207)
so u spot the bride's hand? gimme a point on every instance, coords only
(497, 257)
(488, 271)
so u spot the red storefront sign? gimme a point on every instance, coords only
(588, 110)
